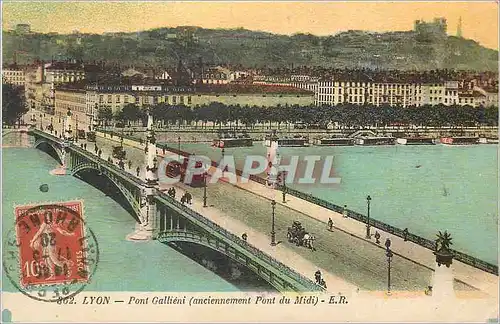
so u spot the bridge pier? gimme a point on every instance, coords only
(148, 228)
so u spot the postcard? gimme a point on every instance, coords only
(249, 161)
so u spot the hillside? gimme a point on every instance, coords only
(165, 46)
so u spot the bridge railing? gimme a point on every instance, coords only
(42, 133)
(460, 256)
(243, 244)
(109, 165)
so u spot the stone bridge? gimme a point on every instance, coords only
(165, 219)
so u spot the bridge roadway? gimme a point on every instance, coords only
(175, 222)
(346, 258)
(347, 262)
(344, 255)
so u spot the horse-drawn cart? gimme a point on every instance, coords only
(298, 235)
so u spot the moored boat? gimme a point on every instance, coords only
(460, 140)
(488, 140)
(416, 141)
(334, 141)
(233, 140)
(378, 140)
(296, 141)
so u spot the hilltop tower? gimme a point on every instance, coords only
(459, 28)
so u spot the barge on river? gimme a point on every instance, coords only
(334, 141)
(233, 140)
(296, 141)
(375, 140)
(416, 141)
(461, 140)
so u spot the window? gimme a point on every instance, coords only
(109, 99)
(117, 98)
(189, 100)
(125, 99)
(174, 100)
(101, 98)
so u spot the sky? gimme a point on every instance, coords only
(479, 19)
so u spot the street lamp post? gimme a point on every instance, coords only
(273, 233)
(368, 199)
(389, 255)
(284, 174)
(76, 128)
(205, 189)
(179, 146)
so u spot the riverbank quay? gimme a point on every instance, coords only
(338, 252)
(422, 241)
(208, 133)
(267, 214)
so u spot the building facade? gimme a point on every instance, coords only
(74, 99)
(14, 75)
(401, 94)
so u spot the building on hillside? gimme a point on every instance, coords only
(213, 75)
(274, 80)
(13, 74)
(23, 29)
(472, 98)
(491, 94)
(235, 76)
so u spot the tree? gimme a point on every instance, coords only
(444, 241)
(13, 103)
(131, 112)
(105, 114)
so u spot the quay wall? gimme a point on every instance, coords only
(199, 134)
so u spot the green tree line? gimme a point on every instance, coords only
(13, 104)
(347, 115)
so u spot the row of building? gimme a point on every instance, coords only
(84, 88)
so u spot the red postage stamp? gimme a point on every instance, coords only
(52, 244)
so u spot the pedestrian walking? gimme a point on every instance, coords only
(317, 276)
(405, 234)
(99, 153)
(244, 237)
(137, 171)
(163, 149)
(377, 237)
(129, 164)
(85, 146)
(330, 224)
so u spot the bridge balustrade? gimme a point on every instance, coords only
(241, 243)
(462, 257)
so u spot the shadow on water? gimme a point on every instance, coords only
(231, 271)
(46, 148)
(107, 187)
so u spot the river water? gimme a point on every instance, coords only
(123, 265)
(423, 188)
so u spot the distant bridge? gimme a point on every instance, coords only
(169, 221)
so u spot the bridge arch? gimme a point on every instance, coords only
(57, 150)
(177, 236)
(131, 201)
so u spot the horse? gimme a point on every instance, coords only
(308, 240)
